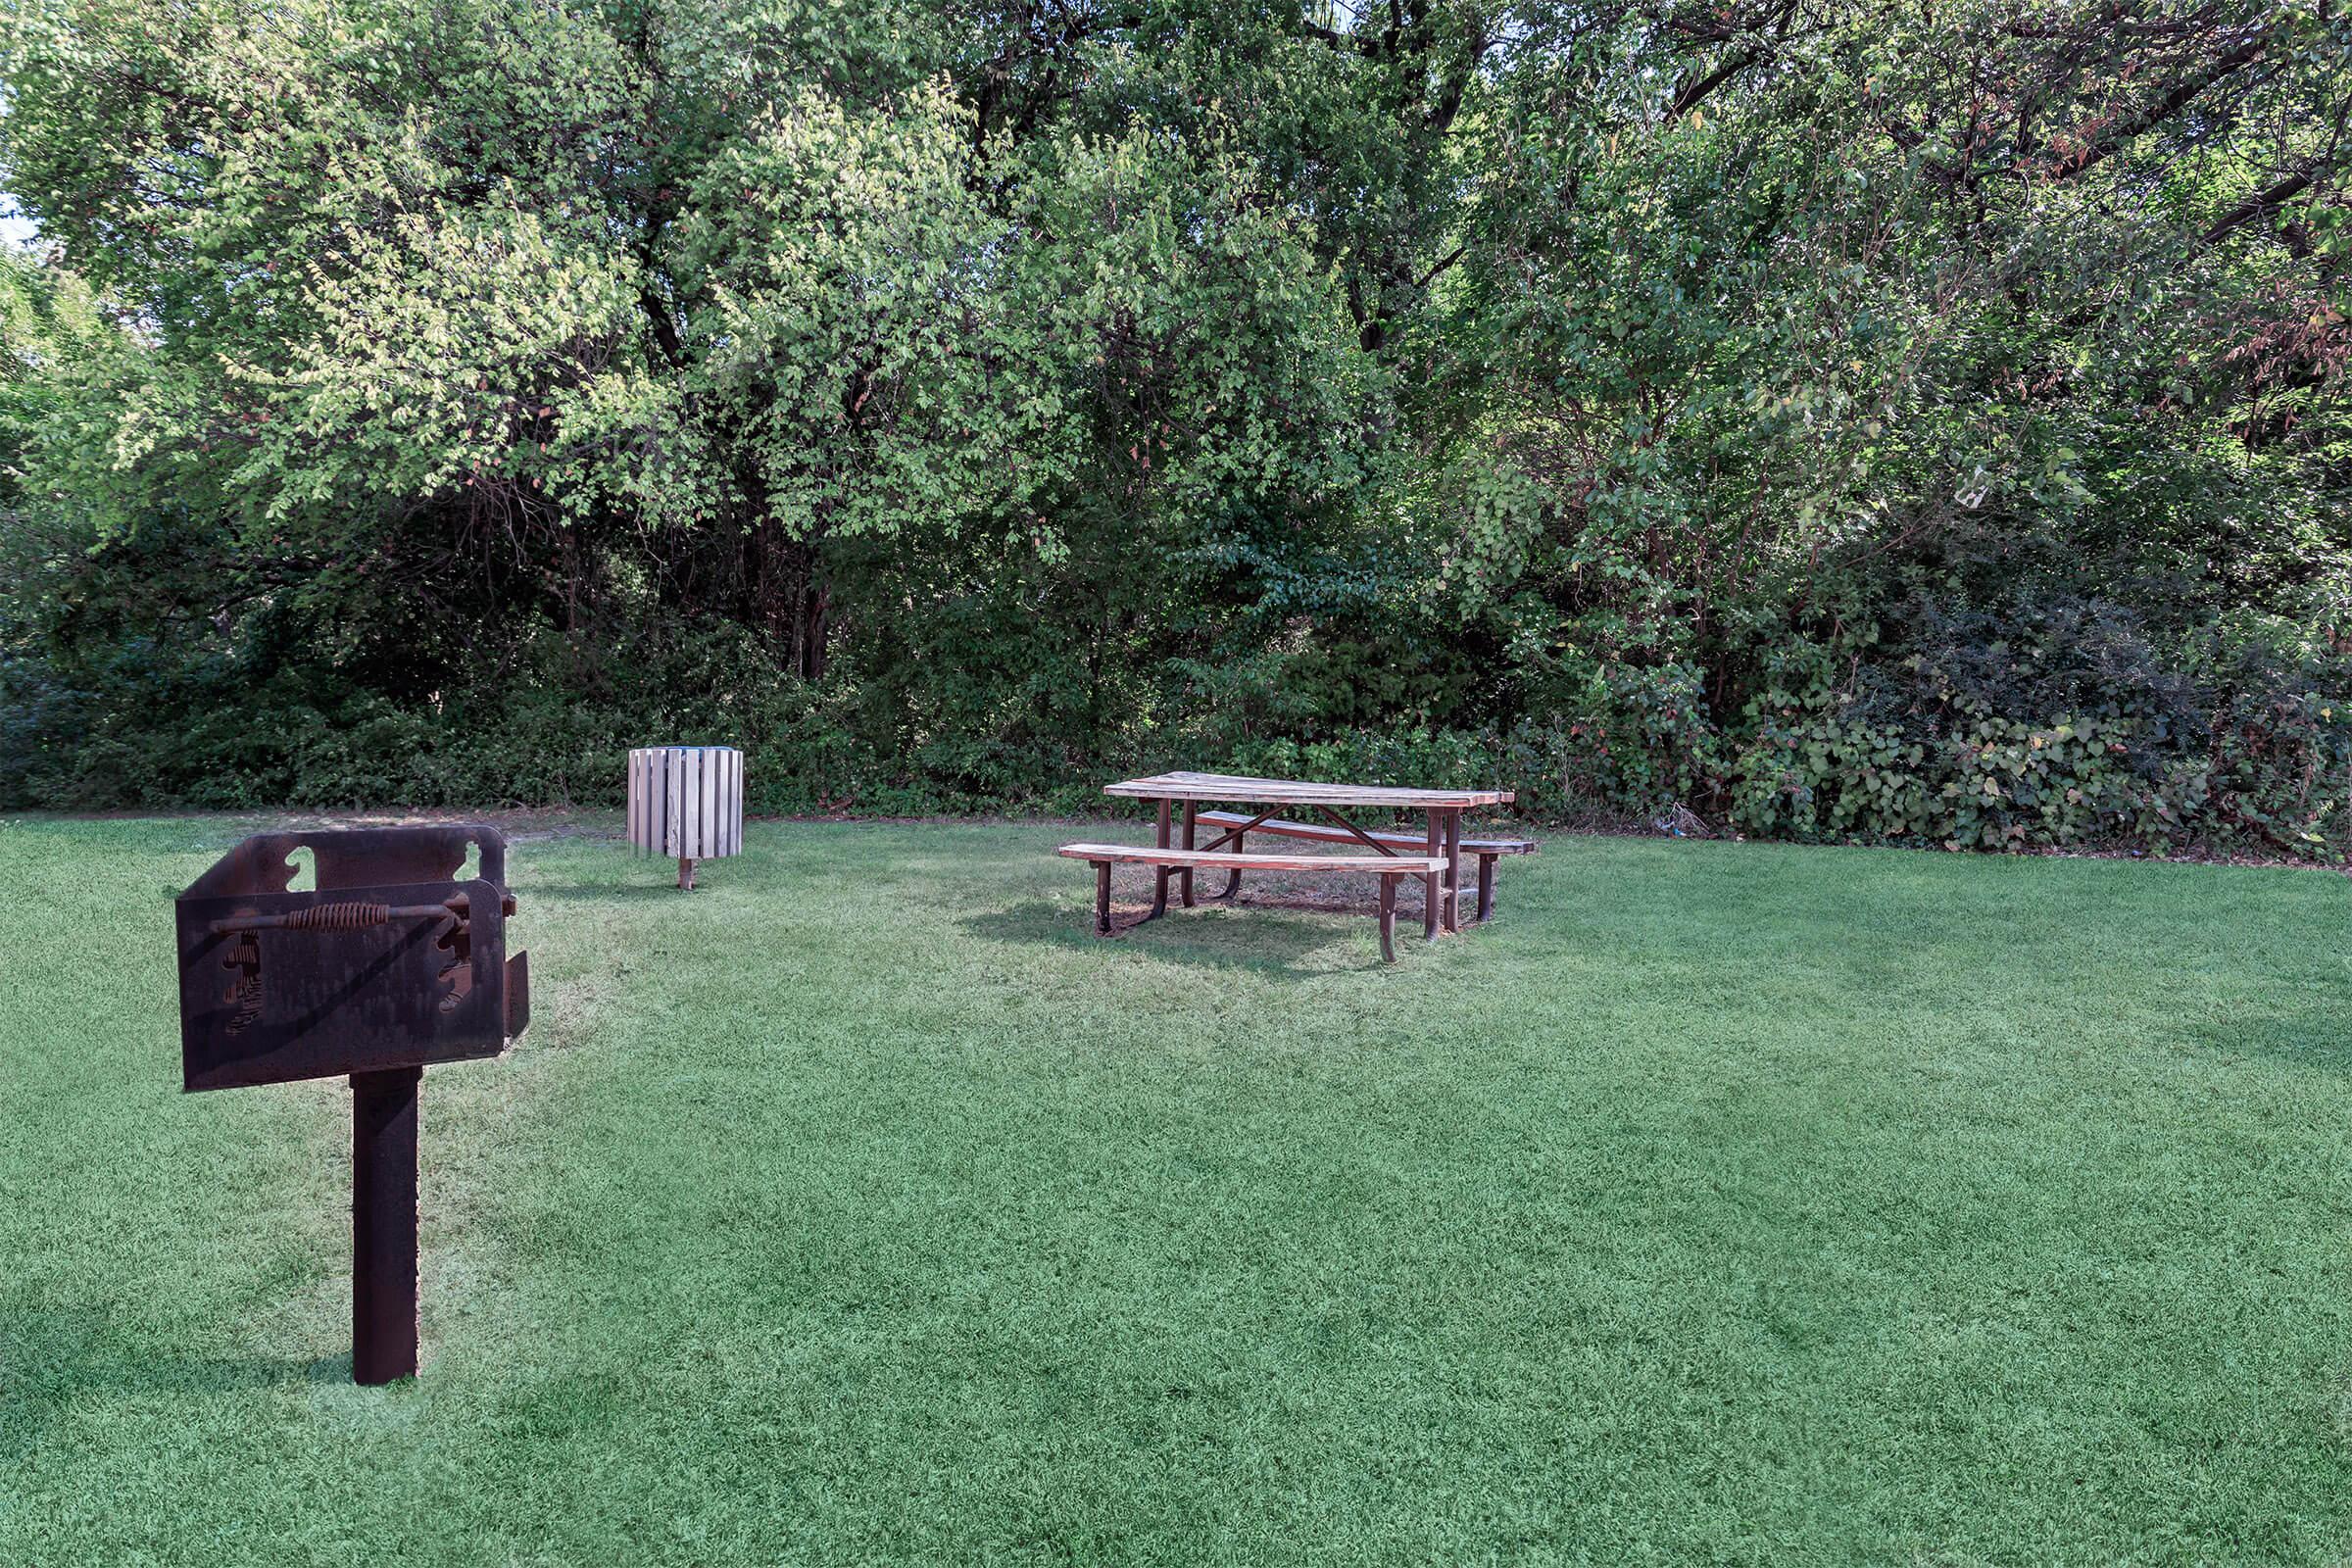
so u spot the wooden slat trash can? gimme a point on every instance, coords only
(686, 802)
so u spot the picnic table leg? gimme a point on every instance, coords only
(1486, 888)
(1429, 883)
(1388, 919)
(1184, 878)
(1101, 898)
(1233, 879)
(1160, 880)
(1453, 870)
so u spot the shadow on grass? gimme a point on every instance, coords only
(43, 1388)
(605, 892)
(1266, 936)
(2317, 1038)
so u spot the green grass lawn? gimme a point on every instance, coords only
(1718, 1203)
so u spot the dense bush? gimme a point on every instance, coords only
(1924, 425)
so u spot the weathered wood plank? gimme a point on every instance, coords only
(1226, 859)
(1294, 791)
(1322, 833)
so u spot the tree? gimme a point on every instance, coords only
(1632, 395)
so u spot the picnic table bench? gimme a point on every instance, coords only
(1487, 849)
(1438, 865)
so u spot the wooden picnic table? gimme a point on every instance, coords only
(1442, 809)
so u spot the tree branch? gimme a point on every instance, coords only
(2172, 102)
(2262, 202)
(1430, 275)
(1695, 92)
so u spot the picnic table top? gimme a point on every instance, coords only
(1294, 791)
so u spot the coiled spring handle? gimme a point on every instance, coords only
(353, 914)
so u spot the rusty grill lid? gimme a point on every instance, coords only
(390, 960)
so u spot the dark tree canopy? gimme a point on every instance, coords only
(1841, 420)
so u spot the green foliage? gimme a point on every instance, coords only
(1928, 426)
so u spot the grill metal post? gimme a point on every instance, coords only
(394, 960)
(383, 1224)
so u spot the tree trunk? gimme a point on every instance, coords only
(794, 597)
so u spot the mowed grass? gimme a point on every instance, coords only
(1718, 1203)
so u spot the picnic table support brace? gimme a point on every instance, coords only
(383, 1224)
(1365, 838)
(1184, 878)
(1453, 870)
(1239, 837)
(1388, 919)
(1429, 883)
(1101, 898)
(1160, 880)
